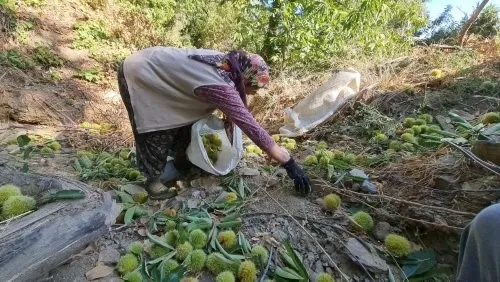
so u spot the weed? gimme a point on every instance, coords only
(16, 59)
(55, 76)
(35, 3)
(93, 76)
(22, 31)
(46, 57)
(89, 34)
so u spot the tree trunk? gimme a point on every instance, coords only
(470, 21)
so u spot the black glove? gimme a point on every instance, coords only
(300, 179)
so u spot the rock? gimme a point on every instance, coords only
(214, 190)
(193, 203)
(99, 271)
(445, 182)
(318, 267)
(355, 187)
(133, 189)
(467, 116)
(358, 173)
(369, 259)
(280, 172)
(279, 235)
(247, 171)
(12, 148)
(109, 256)
(110, 279)
(368, 187)
(381, 230)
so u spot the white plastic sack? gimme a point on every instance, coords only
(230, 154)
(321, 104)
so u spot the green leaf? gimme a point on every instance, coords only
(27, 152)
(125, 197)
(419, 262)
(298, 263)
(129, 216)
(288, 274)
(438, 272)
(493, 130)
(71, 194)
(158, 241)
(23, 140)
(25, 167)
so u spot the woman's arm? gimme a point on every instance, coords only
(227, 100)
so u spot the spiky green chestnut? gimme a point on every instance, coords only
(135, 248)
(16, 205)
(7, 191)
(491, 118)
(409, 130)
(198, 238)
(215, 263)
(337, 154)
(183, 251)
(170, 265)
(247, 272)
(227, 239)
(427, 117)
(259, 255)
(397, 245)
(133, 276)
(332, 201)
(324, 160)
(381, 138)
(127, 263)
(395, 145)
(54, 145)
(407, 147)
(190, 279)
(420, 121)
(364, 220)
(350, 158)
(322, 145)
(141, 197)
(133, 174)
(311, 160)
(226, 276)
(171, 237)
(276, 137)
(324, 277)
(157, 251)
(196, 261)
(231, 197)
(437, 73)
(417, 129)
(409, 122)
(171, 225)
(46, 151)
(408, 137)
(424, 128)
(290, 146)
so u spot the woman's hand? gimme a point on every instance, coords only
(300, 179)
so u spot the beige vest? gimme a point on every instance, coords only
(161, 83)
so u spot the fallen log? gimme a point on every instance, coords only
(32, 245)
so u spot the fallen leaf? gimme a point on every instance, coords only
(99, 271)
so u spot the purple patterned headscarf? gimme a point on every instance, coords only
(239, 68)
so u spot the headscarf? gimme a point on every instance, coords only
(240, 69)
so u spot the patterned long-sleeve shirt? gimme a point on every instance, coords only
(228, 101)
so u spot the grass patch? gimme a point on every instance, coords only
(94, 76)
(46, 57)
(16, 59)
